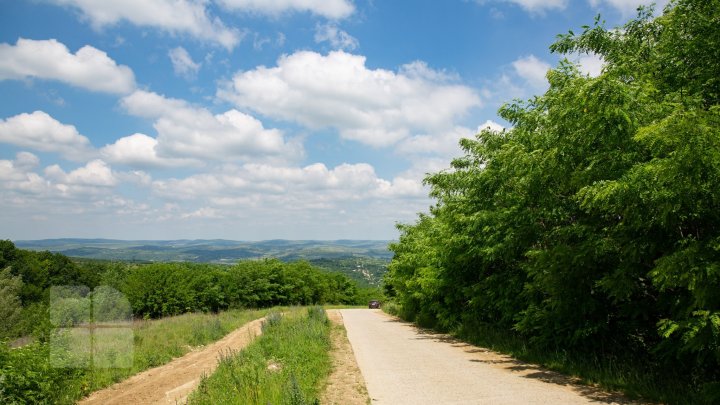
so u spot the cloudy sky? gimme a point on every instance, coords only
(255, 119)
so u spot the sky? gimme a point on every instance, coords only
(256, 119)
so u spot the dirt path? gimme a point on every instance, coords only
(173, 382)
(402, 364)
(345, 385)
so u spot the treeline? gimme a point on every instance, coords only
(161, 289)
(592, 225)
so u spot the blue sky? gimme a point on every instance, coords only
(255, 119)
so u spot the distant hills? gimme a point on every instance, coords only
(361, 259)
(208, 251)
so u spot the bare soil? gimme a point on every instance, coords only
(174, 381)
(346, 385)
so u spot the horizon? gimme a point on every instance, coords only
(203, 239)
(256, 121)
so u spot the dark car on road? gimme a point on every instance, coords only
(374, 304)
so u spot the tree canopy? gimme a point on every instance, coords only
(593, 223)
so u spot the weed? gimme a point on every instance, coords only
(285, 365)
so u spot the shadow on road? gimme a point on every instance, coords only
(525, 370)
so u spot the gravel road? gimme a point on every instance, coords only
(402, 364)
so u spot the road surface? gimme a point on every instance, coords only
(402, 364)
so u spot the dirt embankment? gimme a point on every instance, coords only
(346, 385)
(174, 381)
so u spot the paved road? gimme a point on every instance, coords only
(405, 365)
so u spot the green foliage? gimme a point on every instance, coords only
(592, 225)
(286, 365)
(10, 306)
(27, 374)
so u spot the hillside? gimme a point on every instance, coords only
(362, 260)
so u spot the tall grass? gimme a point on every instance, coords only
(286, 365)
(28, 376)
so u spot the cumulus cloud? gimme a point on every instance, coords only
(183, 64)
(445, 144)
(189, 132)
(89, 68)
(17, 175)
(590, 65)
(94, 173)
(174, 16)
(26, 161)
(532, 70)
(374, 106)
(334, 9)
(314, 186)
(39, 131)
(139, 150)
(534, 6)
(336, 37)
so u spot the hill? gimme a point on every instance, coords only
(362, 260)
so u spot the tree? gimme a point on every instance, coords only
(592, 224)
(10, 306)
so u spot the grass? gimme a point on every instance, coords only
(286, 365)
(634, 377)
(31, 374)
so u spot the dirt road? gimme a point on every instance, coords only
(402, 364)
(173, 382)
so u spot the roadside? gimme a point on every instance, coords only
(345, 386)
(174, 381)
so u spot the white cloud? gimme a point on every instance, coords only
(204, 212)
(374, 106)
(337, 38)
(491, 126)
(183, 65)
(628, 8)
(295, 188)
(26, 161)
(17, 175)
(534, 6)
(532, 70)
(139, 150)
(334, 9)
(188, 132)
(445, 144)
(591, 65)
(95, 173)
(89, 68)
(39, 131)
(174, 16)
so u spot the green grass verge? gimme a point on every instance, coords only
(634, 377)
(27, 374)
(286, 365)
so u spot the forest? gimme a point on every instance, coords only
(161, 289)
(590, 227)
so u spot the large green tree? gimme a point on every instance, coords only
(593, 223)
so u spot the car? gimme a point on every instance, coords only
(374, 304)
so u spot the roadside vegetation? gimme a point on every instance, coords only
(88, 309)
(28, 375)
(287, 364)
(587, 236)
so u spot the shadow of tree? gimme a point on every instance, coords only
(523, 369)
